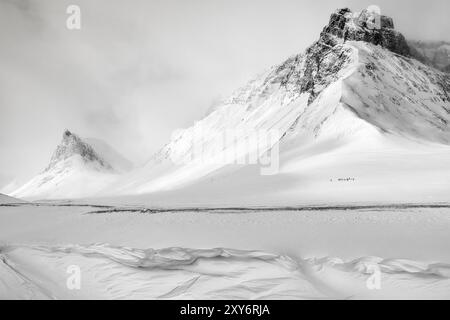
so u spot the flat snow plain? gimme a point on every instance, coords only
(290, 253)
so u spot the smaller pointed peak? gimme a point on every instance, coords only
(71, 145)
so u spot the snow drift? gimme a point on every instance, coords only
(108, 272)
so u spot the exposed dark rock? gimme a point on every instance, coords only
(322, 62)
(365, 26)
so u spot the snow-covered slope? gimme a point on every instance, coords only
(76, 170)
(4, 199)
(355, 91)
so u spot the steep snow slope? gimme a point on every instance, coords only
(75, 170)
(355, 106)
(399, 95)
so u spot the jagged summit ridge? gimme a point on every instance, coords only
(72, 145)
(366, 25)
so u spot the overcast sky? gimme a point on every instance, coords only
(137, 70)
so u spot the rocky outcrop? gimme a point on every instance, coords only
(368, 26)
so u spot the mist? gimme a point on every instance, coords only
(138, 70)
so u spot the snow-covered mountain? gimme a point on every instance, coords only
(354, 107)
(76, 169)
(353, 118)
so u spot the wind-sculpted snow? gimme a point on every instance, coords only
(173, 273)
(112, 272)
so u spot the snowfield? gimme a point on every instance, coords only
(310, 253)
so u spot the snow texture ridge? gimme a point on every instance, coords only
(112, 272)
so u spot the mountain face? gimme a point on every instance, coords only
(76, 169)
(433, 53)
(349, 111)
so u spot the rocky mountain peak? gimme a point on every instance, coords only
(72, 145)
(367, 25)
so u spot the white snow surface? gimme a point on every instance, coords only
(70, 178)
(309, 254)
